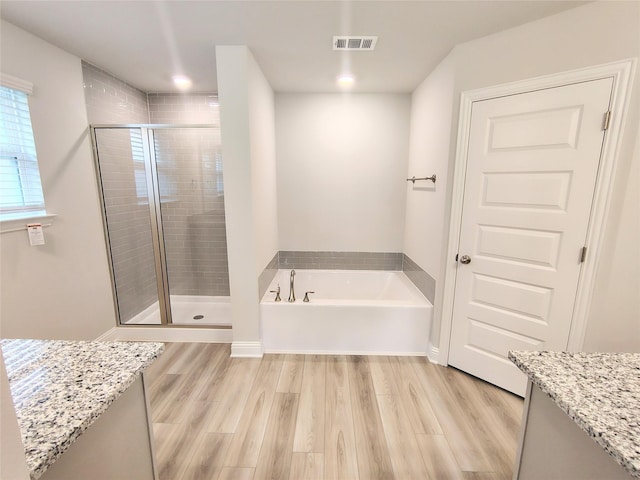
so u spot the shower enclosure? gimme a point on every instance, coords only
(162, 196)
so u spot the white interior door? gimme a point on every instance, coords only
(531, 171)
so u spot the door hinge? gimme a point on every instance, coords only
(607, 119)
(583, 254)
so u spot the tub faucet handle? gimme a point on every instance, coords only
(306, 296)
(277, 292)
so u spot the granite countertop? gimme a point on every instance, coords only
(599, 391)
(60, 388)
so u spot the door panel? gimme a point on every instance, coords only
(507, 295)
(531, 171)
(543, 190)
(519, 245)
(554, 128)
(483, 336)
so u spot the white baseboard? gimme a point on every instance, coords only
(296, 351)
(434, 355)
(246, 350)
(167, 334)
(107, 336)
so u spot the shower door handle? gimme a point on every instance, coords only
(465, 259)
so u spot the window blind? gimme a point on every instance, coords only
(137, 155)
(20, 186)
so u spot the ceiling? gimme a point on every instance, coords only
(145, 42)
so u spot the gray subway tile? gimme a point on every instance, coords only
(421, 279)
(341, 260)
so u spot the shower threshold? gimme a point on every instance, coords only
(188, 310)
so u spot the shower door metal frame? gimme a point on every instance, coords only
(155, 216)
(157, 231)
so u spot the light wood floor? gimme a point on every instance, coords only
(303, 417)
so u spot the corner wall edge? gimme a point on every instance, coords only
(246, 350)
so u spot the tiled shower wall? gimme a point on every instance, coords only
(192, 190)
(192, 202)
(190, 170)
(109, 101)
(197, 108)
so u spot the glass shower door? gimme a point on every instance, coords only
(126, 202)
(188, 166)
(163, 203)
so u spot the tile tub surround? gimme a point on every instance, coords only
(340, 260)
(599, 391)
(356, 261)
(421, 279)
(60, 388)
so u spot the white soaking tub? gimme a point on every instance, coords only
(351, 312)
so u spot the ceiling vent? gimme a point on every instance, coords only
(351, 42)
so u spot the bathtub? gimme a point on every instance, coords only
(351, 312)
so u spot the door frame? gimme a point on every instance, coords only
(622, 72)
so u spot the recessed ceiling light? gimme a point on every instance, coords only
(346, 80)
(182, 82)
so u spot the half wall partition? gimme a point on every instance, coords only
(162, 196)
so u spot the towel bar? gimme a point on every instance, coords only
(414, 179)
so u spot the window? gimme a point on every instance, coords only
(20, 187)
(137, 155)
(164, 166)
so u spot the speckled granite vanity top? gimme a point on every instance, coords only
(599, 391)
(60, 388)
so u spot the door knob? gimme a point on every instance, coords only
(465, 259)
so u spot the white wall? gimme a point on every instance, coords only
(592, 34)
(263, 165)
(431, 116)
(614, 322)
(62, 289)
(341, 165)
(246, 119)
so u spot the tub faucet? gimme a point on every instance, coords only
(292, 294)
(277, 292)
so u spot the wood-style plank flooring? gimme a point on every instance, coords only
(298, 417)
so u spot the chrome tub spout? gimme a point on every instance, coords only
(292, 293)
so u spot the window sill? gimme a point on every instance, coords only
(18, 224)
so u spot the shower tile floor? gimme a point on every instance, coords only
(303, 417)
